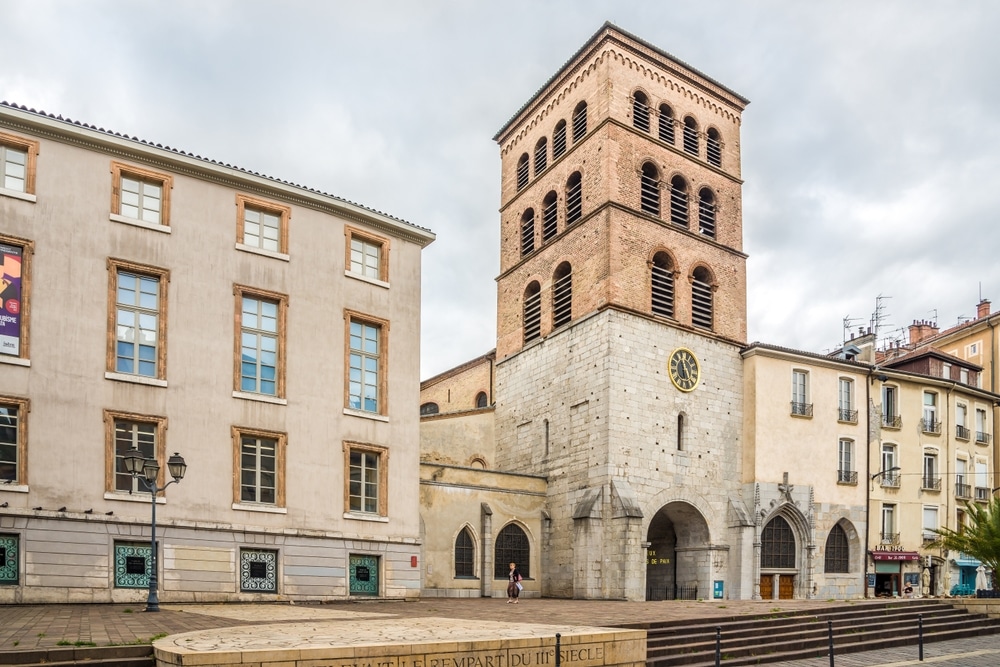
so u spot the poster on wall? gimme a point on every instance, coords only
(10, 299)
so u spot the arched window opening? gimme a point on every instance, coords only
(429, 409)
(706, 212)
(640, 111)
(522, 171)
(837, 552)
(482, 400)
(690, 136)
(512, 547)
(549, 216)
(562, 295)
(679, 201)
(663, 285)
(574, 198)
(680, 433)
(528, 232)
(559, 140)
(465, 555)
(532, 312)
(777, 545)
(649, 189)
(701, 298)
(665, 129)
(579, 121)
(541, 155)
(713, 147)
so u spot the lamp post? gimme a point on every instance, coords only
(883, 473)
(147, 471)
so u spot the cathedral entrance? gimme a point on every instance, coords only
(677, 558)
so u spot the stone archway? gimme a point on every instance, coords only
(678, 561)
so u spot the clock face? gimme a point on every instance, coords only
(684, 370)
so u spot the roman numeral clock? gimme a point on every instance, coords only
(684, 369)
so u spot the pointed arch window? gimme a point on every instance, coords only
(837, 553)
(559, 140)
(522, 171)
(549, 216)
(541, 155)
(574, 198)
(706, 212)
(528, 232)
(579, 121)
(640, 111)
(690, 136)
(701, 298)
(512, 547)
(562, 295)
(665, 127)
(713, 147)
(532, 311)
(662, 285)
(679, 201)
(465, 555)
(649, 190)
(777, 545)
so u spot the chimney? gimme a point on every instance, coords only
(920, 330)
(983, 309)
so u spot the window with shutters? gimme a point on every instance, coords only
(713, 147)
(690, 136)
(706, 213)
(522, 171)
(541, 155)
(574, 198)
(559, 140)
(679, 201)
(662, 279)
(562, 295)
(579, 121)
(701, 298)
(640, 111)
(550, 214)
(528, 232)
(532, 311)
(665, 126)
(649, 190)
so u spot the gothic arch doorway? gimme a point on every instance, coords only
(678, 558)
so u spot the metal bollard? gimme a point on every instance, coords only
(718, 646)
(920, 635)
(829, 625)
(558, 661)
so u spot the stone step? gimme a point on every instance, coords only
(139, 655)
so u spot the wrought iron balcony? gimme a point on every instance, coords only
(892, 421)
(961, 432)
(963, 490)
(849, 416)
(890, 538)
(930, 483)
(847, 477)
(930, 426)
(983, 438)
(890, 480)
(929, 537)
(982, 494)
(802, 409)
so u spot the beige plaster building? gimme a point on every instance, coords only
(159, 300)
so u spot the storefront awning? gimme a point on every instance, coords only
(895, 555)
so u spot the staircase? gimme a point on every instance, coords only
(754, 640)
(138, 655)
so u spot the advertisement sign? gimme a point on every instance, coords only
(717, 590)
(10, 299)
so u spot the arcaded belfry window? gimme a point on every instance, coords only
(690, 136)
(701, 298)
(532, 311)
(579, 121)
(541, 155)
(522, 171)
(640, 111)
(528, 232)
(665, 128)
(649, 190)
(574, 198)
(562, 295)
(679, 201)
(713, 147)
(706, 212)
(559, 140)
(550, 213)
(662, 279)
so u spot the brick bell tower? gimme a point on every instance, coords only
(621, 312)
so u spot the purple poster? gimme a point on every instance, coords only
(10, 299)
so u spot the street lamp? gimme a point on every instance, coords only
(147, 471)
(883, 473)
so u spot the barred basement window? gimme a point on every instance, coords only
(837, 556)
(640, 111)
(511, 547)
(663, 285)
(701, 299)
(706, 213)
(690, 136)
(666, 124)
(649, 195)
(465, 554)
(579, 121)
(522, 171)
(574, 198)
(713, 147)
(527, 232)
(132, 564)
(550, 213)
(559, 140)
(679, 201)
(532, 311)
(10, 545)
(258, 571)
(541, 155)
(777, 545)
(562, 295)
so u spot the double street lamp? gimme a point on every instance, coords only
(147, 471)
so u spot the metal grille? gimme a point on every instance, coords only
(527, 232)
(837, 557)
(666, 125)
(364, 571)
(929, 425)
(777, 545)
(8, 443)
(849, 416)
(579, 122)
(701, 304)
(132, 563)
(541, 155)
(961, 432)
(706, 215)
(550, 209)
(847, 477)
(713, 150)
(690, 137)
(562, 296)
(649, 197)
(640, 113)
(464, 555)
(983, 438)
(9, 546)
(890, 480)
(678, 205)
(663, 288)
(930, 483)
(532, 314)
(511, 547)
(559, 140)
(258, 571)
(802, 409)
(963, 490)
(574, 199)
(522, 171)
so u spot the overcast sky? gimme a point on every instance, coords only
(871, 146)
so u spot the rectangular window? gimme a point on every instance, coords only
(140, 195)
(889, 535)
(845, 463)
(983, 489)
(260, 458)
(930, 410)
(138, 299)
(890, 408)
(366, 363)
(930, 480)
(846, 411)
(963, 375)
(800, 394)
(13, 440)
(962, 487)
(15, 284)
(946, 371)
(18, 157)
(982, 432)
(262, 225)
(961, 419)
(890, 477)
(930, 523)
(366, 488)
(260, 343)
(367, 255)
(127, 431)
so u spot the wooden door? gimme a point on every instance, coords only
(786, 587)
(766, 587)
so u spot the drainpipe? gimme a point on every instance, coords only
(868, 479)
(993, 388)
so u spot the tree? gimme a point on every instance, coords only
(979, 538)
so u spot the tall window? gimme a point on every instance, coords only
(140, 329)
(890, 477)
(701, 298)
(961, 421)
(574, 198)
(678, 201)
(17, 163)
(125, 432)
(777, 545)
(15, 301)
(690, 136)
(713, 147)
(528, 232)
(511, 547)
(845, 401)
(930, 422)
(982, 436)
(550, 212)
(579, 121)
(662, 283)
(260, 353)
(541, 155)
(140, 195)
(559, 140)
(366, 375)
(800, 394)
(366, 255)
(930, 480)
(845, 468)
(261, 465)
(532, 312)
(522, 171)
(706, 212)
(837, 552)
(665, 128)
(890, 407)
(263, 225)
(640, 111)
(465, 553)
(930, 523)
(562, 295)
(13, 440)
(366, 491)
(962, 485)
(649, 189)
(889, 534)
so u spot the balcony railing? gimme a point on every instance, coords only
(802, 409)
(930, 483)
(982, 494)
(929, 537)
(963, 490)
(847, 477)
(983, 438)
(961, 432)
(930, 426)
(892, 421)
(849, 416)
(890, 538)
(890, 480)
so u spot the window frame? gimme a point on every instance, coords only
(27, 257)
(30, 147)
(23, 406)
(846, 459)
(111, 417)
(511, 552)
(382, 242)
(470, 563)
(383, 359)
(382, 455)
(284, 213)
(239, 292)
(280, 446)
(837, 556)
(142, 174)
(845, 401)
(114, 266)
